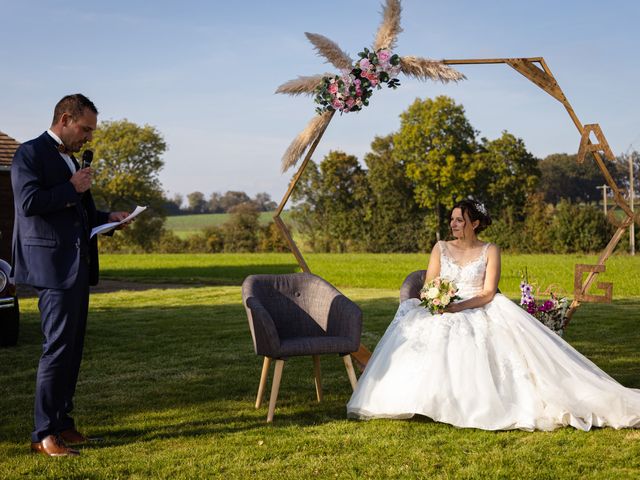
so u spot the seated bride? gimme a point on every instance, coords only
(484, 362)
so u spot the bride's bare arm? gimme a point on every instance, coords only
(433, 270)
(491, 279)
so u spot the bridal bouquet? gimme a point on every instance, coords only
(437, 294)
(552, 312)
(350, 91)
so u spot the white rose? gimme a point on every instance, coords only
(446, 299)
(433, 292)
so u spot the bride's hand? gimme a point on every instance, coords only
(452, 308)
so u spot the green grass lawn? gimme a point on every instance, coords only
(364, 270)
(186, 225)
(169, 380)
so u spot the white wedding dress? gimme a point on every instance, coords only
(493, 368)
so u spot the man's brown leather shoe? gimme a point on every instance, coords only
(53, 446)
(73, 436)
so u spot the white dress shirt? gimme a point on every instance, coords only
(65, 156)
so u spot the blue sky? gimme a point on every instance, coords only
(204, 72)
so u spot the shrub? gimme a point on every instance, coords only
(271, 239)
(580, 228)
(197, 243)
(240, 230)
(214, 239)
(508, 235)
(169, 242)
(537, 234)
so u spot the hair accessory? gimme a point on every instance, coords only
(481, 208)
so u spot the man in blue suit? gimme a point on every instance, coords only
(53, 252)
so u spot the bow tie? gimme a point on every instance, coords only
(62, 148)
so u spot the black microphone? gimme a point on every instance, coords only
(87, 158)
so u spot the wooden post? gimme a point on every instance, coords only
(632, 227)
(604, 197)
(294, 181)
(363, 354)
(298, 174)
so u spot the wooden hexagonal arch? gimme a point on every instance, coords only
(536, 70)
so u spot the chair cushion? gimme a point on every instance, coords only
(412, 285)
(315, 346)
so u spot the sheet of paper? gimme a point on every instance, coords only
(107, 227)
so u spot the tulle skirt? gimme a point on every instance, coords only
(493, 368)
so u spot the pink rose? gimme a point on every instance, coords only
(350, 102)
(365, 64)
(436, 301)
(333, 88)
(373, 79)
(337, 104)
(384, 55)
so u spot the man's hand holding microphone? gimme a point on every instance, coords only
(81, 180)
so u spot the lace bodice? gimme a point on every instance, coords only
(469, 277)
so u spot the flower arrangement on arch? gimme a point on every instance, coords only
(437, 294)
(551, 312)
(342, 93)
(350, 91)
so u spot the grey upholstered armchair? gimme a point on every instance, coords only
(412, 285)
(299, 314)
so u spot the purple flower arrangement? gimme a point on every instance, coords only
(552, 312)
(350, 91)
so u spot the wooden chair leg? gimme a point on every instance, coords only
(316, 373)
(263, 381)
(350, 371)
(275, 387)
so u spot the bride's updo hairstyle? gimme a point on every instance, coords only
(475, 211)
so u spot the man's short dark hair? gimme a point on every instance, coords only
(74, 105)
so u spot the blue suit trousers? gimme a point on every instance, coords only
(63, 318)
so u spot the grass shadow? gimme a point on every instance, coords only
(206, 275)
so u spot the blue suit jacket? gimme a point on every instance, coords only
(52, 221)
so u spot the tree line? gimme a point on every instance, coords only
(400, 199)
(242, 232)
(129, 159)
(396, 200)
(197, 202)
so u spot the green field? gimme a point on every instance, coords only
(169, 380)
(186, 225)
(361, 270)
